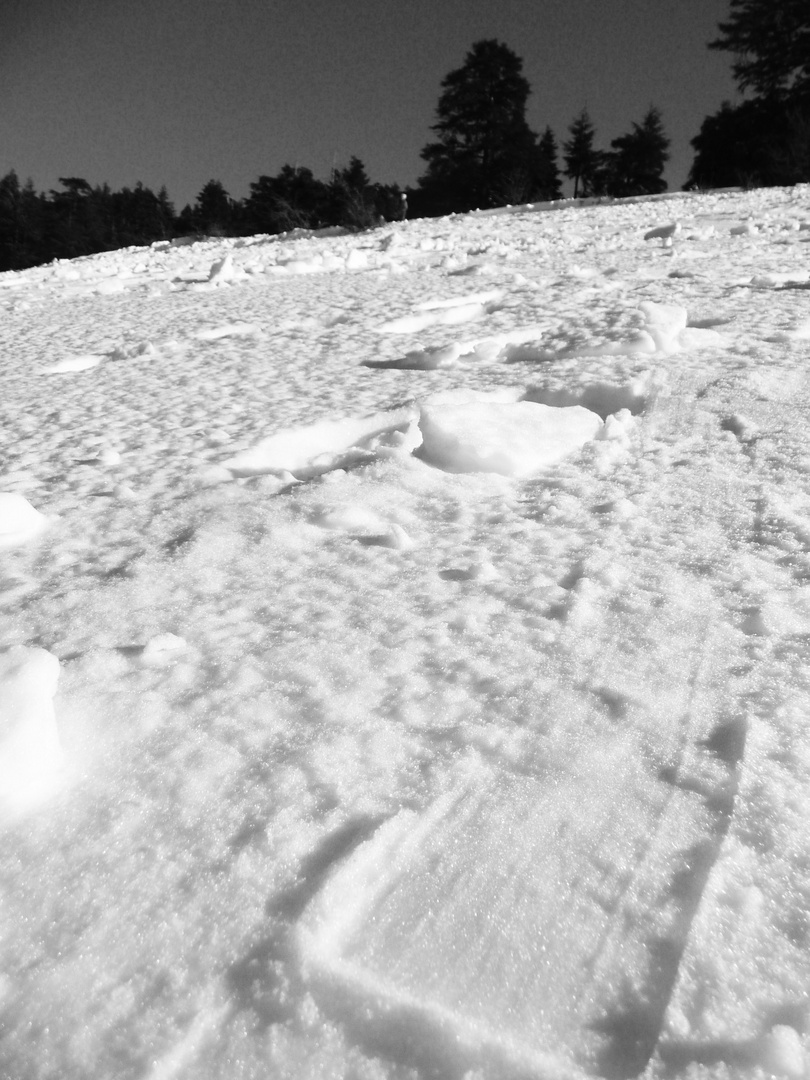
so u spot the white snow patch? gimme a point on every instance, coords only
(515, 439)
(318, 448)
(83, 362)
(20, 522)
(30, 751)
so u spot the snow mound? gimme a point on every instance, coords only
(30, 754)
(318, 448)
(513, 439)
(19, 521)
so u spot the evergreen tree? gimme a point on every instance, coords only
(213, 210)
(351, 201)
(637, 164)
(548, 170)
(484, 144)
(165, 213)
(765, 140)
(293, 199)
(582, 161)
(755, 144)
(11, 222)
(771, 42)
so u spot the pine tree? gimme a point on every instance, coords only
(637, 165)
(548, 172)
(351, 197)
(582, 161)
(771, 42)
(292, 199)
(484, 144)
(764, 140)
(213, 210)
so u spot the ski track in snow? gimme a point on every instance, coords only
(403, 651)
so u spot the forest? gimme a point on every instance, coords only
(484, 154)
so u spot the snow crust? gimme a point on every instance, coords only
(403, 651)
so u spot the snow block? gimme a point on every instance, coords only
(513, 439)
(19, 521)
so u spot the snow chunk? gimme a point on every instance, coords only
(318, 448)
(452, 312)
(30, 753)
(699, 337)
(110, 286)
(781, 1052)
(19, 521)
(221, 271)
(603, 398)
(748, 228)
(490, 297)
(357, 259)
(352, 518)
(514, 439)
(665, 233)
(664, 322)
(363, 523)
(162, 650)
(74, 363)
(237, 329)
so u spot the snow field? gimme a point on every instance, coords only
(432, 699)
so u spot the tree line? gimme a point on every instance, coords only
(484, 154)
(764, 140)
(78, 219)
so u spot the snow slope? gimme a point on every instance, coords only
(403, 650)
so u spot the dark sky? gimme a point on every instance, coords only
(178, 92)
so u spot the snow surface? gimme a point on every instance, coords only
(403, 651)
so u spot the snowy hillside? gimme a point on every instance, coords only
(404, 651)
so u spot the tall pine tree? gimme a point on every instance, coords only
(548, 170)
(764, 140)
(638, 161)
(582, 161)
(770, 40)
(485, 148)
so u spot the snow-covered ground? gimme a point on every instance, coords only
(404, 667)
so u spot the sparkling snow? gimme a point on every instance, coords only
(403, 651)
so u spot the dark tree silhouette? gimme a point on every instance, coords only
(582, 161)
(771, 42)
(293, 199)
(214, 210)
(12, 226)
(548, 169)
(351, 197)
(765, 140)
(755, 144)
(637, 163)
(485, 148)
